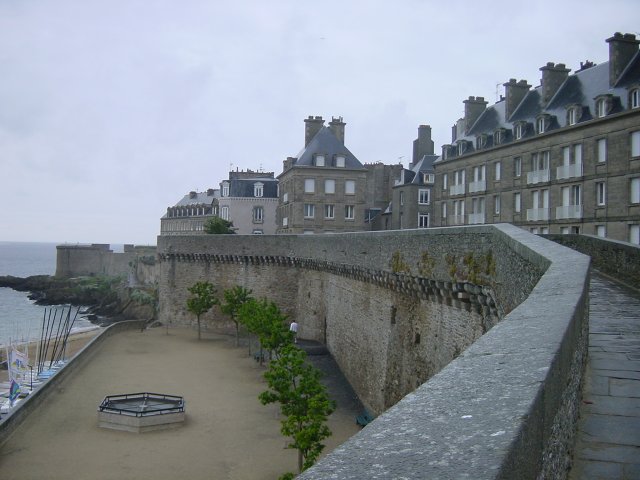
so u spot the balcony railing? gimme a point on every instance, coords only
(569, 171)
(476, 218)
(456, 189)
(569, 211)
(538, 176)
(537, 214)
(477, 186)
(456, 219)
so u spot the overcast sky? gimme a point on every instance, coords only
(112, 110)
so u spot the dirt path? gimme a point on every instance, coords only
(228, 433)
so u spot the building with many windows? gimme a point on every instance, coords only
(249, 200)
(563, 157)
(189, 215)
(323, 188)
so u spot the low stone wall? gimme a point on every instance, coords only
(10, 422)
(507, 406)
(620, 260)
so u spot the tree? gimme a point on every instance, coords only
(202, 300)
(264, 319)
(217, 226)
(304, 402)
(234, 298)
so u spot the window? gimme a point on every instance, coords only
(517, 204)
(634, 234)
(601, 196)
(601, 146)
(445, 181)
(635, 144)
(285, 197)
(329, 211)
(225, 189)
(572, 115)
(258, 189)
(517, 166)
(564, 230)
(499, 137)
(575, 195)
(635, 190)
(601, 107)
(601, 231)
(319, 160)
(498, 172)
(309, 185)
(635, 98)
(462, 147)
(458, 177)
(518, 132)
(309, 210)
(285, 221)
(541, 124)
(224, 213)
(428, 178)
(329, 186)
(258, 214)
(544, 230)
(350, 187)
(401, 198)
(349, 212)
(496, 204)
(577, 153)
(340, 161)
(423, 220)
(444, 210)
(424, 196)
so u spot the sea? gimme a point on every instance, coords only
(20, 318)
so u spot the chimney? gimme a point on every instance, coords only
(473, 108)
(337, 127)
(423, 145)
(192, 194)
(514, 92)
(312, 126)
(622, 48)
(552, 77)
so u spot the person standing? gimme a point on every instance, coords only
(294, 329)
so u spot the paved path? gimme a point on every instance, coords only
(608, 443)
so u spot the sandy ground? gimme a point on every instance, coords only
(228, 433)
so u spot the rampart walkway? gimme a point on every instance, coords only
(608, 442)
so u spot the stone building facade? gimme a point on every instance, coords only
(189, 215)
(563, 157)
(249, 199)
(323, 189)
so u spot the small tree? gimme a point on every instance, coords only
(217, 226)
(202, 300)
(264, 319)
(234, 298)
(304, 402)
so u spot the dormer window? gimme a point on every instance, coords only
(225, 189)
(634, 98)
(340, 161)
(319, 160)
(603, 106)
(258, 189)
(573, 114)
(519, 130)
(462, 147)
(428, 178)
(542, 123)
(499, 136)
(482, 141)
(446, 151)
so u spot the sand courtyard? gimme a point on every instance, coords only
(228, 434)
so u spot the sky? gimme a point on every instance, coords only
(112, 110)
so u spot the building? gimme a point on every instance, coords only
(249, 200)
(563, 157)
(323, 188)
(189, 215)
(411, 205)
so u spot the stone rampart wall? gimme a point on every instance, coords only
(620, 260)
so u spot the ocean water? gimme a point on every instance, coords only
(20, 318)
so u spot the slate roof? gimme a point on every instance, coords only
(243, 187)
(200, 198)
(325, 142)
(424, 165)
(580, 88)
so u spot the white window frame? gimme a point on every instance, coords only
(285, 221)
(349, 187)
(634, 98)
(497, 171)
(601, 107)
(340, 161)
(518, 131)
(634, 234)
(601, 194)
(428, 178)
(309, 185)
(572, 115)
(444, 211)
(540, 125)
(349, 212)
(401, 197)
(258, 214)
(258, 190)
(285, 197)
(601, 231)
(329, 211)
(635, 143)
(517, 202)
(319, 160)
(423, 220)
(445, 181)
(329, 186)
(517, 167)
(309, 210)
(634, 190)
(224, 212)
(424, 196)
(601, 150)
(225, 189)
(496, 204)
